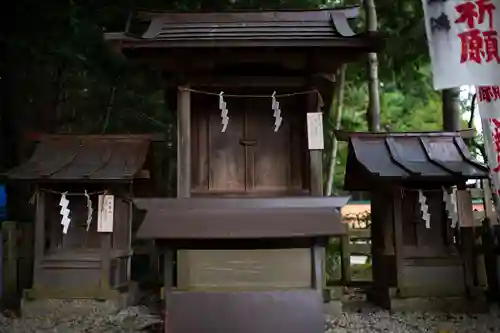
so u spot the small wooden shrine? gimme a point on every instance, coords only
(243, 264)
(76, 178)
(419, 210)
(249, 88)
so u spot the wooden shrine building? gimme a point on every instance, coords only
(420, 212)
(84, 261)
(244, 242)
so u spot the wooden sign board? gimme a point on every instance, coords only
(315, 138)
(105, 213)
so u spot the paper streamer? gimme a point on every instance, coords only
(90, 210)
(277, 112)
(224, 112)
(65, 221)
(424, 209)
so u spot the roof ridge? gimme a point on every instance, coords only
(243, 11)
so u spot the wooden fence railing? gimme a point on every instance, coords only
(17, 265)
(356, 243)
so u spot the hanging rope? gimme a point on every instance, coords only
(83, 194)
(211, 93)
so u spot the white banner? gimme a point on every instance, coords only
(488, 99)
(463, 42)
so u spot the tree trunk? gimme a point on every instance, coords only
(373, 112)
(451, 109)
(337, 117)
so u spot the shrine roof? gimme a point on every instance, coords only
(427, 156)
(85, 158)
(311, 28)
(241, 218)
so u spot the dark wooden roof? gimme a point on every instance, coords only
(242, 218)
(85, 158)
(313, 28)
(433, 156)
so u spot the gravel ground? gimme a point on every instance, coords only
(378, 321)
(82, 317)
(99, 317)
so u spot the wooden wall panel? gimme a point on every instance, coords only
(246, 269)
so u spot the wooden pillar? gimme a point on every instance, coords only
(10, 276)
(318, 266)
(315, 156)
(183, 142)
(105, 261)
(168, 270)
(168, 277)
(398, 235)
(39, 248)
(345, 259)
(183, 174)
(130, 221)
(467, 225)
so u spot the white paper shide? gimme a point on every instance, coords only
(65, 212)
(463, 42)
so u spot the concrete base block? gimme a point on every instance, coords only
(114, 299)
(391, 299)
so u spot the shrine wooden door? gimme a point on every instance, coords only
(250, 157)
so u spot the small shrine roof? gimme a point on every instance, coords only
(306, 28)
(85, 158)
(241, 218)
(430, 156)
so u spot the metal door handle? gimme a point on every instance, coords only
(244, 142)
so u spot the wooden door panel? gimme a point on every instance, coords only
(299, 154)
(200, 114)
(269, 162)
(226, 154)
(269, 159)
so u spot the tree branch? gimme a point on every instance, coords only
(470, 124)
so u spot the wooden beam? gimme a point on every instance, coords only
(315, 156)
(243, 81)
(38, 136)
(39, 248)
(185, 61)
(183, 142)
(325, 76)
